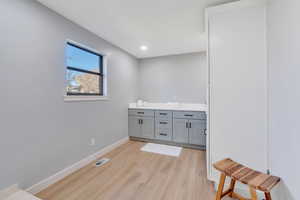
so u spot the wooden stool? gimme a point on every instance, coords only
(237, 172)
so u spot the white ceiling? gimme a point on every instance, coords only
(167, 27)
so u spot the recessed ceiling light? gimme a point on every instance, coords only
(144, 48)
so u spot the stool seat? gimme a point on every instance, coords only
(237, 172)
(257, 180)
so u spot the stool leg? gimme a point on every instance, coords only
(221, 187)
(268, 196)
(253, 193)
(232, 184)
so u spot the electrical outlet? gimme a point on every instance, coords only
(92, 142)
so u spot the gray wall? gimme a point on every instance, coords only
(178, 78)
(284, 62)
(40, 133)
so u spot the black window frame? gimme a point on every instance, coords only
(78, 69)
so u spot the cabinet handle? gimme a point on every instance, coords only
(141, 113)
(163, 122)
(142, 121)
(205, 132)
(139, 121)
(186, 115)
(190, 124)
(163, 113)
(163, 134)
(186, 125)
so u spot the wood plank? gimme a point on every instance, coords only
(268, 196)
(253, 193)
(234, 168)
(223, 165)
(226, 192)
(268, 184)
(232, 185)
(221, 187)
(258, 180)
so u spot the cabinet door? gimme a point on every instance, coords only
(147, 127)
(180, 131)
(197, 132)
(134, 126)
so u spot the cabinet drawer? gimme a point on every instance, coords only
(163, 114)
(163, 124)
(138, 112)
(163, 129)
(189, 115)
(163, 134)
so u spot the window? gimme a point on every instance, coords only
(84, 75)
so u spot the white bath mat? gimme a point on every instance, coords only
(162, 149)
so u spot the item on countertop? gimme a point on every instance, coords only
(140, 102)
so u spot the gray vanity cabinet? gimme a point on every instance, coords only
(141, 123)
(189, 127)
(197, 132)
(180, 130)
(179, 127)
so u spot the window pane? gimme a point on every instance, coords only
(82, 59)
(79, 82)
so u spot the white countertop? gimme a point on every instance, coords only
(170, 106)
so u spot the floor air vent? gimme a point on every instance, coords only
(102, 162)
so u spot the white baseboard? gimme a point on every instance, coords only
(69, 170)
(22, 195)
(8, 191)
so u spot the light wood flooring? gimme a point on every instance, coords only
(135, 175)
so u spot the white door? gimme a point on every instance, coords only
(238, 90)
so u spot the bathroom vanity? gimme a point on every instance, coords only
(180, 124)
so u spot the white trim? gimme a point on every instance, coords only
(9, 191)
(22, 195)
(269, 167)
(105, 75)
(104, 67)
(85, 98)
(208, 143)
(85, 47)
(233, 6)
(67, 171)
